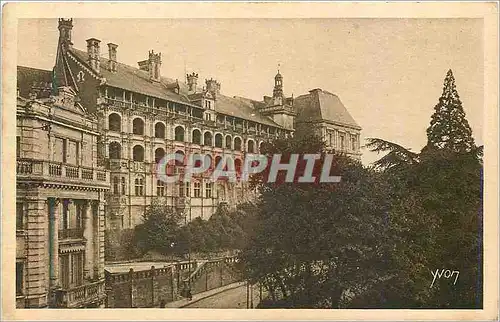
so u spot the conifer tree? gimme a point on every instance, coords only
(449, 128)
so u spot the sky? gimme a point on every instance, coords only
(388, 72)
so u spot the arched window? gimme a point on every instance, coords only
(237, 165)
(159, 154)
(159, 130)
(237, 144)
(138, 153)
(196, 136)
(115, 150)
(218, 159)
(138, 126)
(208, 161)
(180, 163)
(207, 138)
(261, 144)
(228, 142)
(250, 146)
(179, 133)
(218, 140)
(115, 122)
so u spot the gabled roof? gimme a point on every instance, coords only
(28, 77)
(319, 106)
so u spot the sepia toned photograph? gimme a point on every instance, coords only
(252, 163)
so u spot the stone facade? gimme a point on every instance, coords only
(60, 202)
(143, 115)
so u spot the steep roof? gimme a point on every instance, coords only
(28, 77)
(137, 80)
(320, 105)
(242, 108)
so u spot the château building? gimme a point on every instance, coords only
(60, 198)
(90, 134)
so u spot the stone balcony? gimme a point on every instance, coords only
(86, 295)
(41, 170)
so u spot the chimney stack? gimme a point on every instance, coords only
(94, 56)
(213, 86)
(154, 64)
(65, 26)
(112, 56)
(192, 80)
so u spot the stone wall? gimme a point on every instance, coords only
(151, 287)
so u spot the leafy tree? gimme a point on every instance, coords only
(436, 213)
(315, 243)
(159, 228)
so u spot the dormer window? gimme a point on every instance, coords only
(208, 105)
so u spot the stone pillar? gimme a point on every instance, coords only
(88, 234)
(53, 244)
(36, 253)
(99, 233)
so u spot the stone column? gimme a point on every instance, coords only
(99, 231)
(53, 244)
(36, 253)
(88, 234)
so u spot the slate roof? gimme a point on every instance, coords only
(320, 105)
(136, 80)
(28, 77)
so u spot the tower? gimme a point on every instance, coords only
(65, 26)
(278, 85)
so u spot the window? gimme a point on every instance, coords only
(187, 189)
(207, 138)
(353, 143)
(138, 126)
(159, 154)
(159, 130)
(19, 216)
(18, 146)
(218, 140)
(208, 190)
(330, 138)
(71, 269)
(208, 104)
(116, 189)
(114, 122)
(196, 137)
(179, 133)
(139, 186)
(181, 189)
(342, 141)
(160, 188)
(19, 278)
(138, 153)
(250, 146)
(71, 152)
(197, 189)
(115, 150)
(123, 186)
(237, 144)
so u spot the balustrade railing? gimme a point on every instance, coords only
(81, 295)
(70, 233)
(51, 169)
